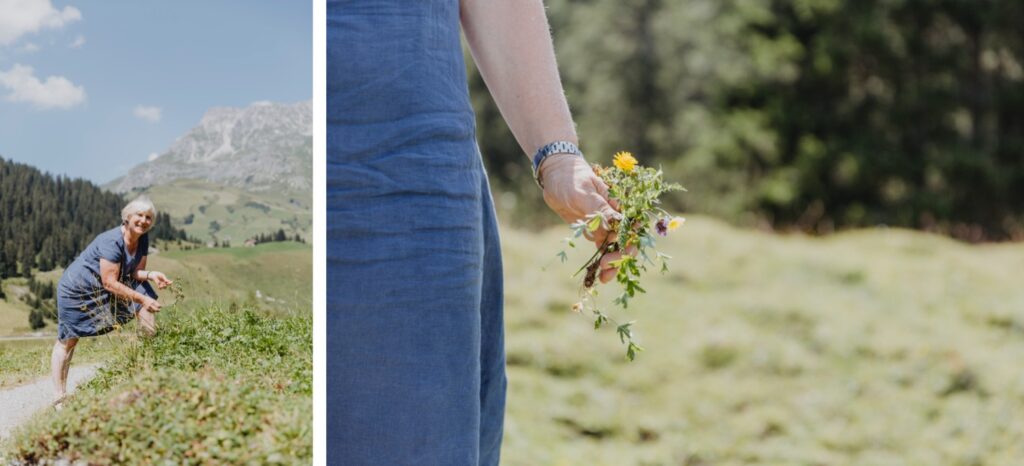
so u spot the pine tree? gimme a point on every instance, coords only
(35, 319)
(45, 221)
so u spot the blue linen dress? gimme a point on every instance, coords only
(84, 308)
(415, 350)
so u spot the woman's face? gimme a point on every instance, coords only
(140, 222)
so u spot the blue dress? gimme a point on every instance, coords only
(415, 350)
(84, 308)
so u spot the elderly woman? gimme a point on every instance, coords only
(106, 286)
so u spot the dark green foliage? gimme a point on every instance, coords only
(42, 290)
(278, 236)
(35, 319)
(259, 206)
(52, 217)
(45, 221)
(815, 114)
(163, 230)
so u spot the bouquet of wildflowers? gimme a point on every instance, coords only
(635, 190)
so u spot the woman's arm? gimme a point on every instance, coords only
(109, 273)
(512, 47)
(142, 275)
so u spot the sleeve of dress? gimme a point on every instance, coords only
(111, 250)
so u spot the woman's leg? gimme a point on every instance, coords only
(147, 323)
(60, 362)
(147, 320)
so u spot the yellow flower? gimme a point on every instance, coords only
(625, 161)
(676, 222)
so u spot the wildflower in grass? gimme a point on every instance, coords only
(625, 161)
(636, 191)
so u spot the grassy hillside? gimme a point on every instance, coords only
(228, 380)
(276, 275)
(216, 386)
(281, 273)
(14, 312)
(215, 212)
(868, 347)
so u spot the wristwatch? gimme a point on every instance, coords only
(557, 147)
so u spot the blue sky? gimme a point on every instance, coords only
(91, 88)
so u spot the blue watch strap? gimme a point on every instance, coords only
(557, 147)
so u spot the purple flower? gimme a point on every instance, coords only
(661, 226)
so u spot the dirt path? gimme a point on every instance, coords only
(19, 403)
(27, 338)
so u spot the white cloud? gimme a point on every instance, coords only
(54, 92)
(21, 17)
(29, 47)
(152, 156)
(78, 42)
(150, 114)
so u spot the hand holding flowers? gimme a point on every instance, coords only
(573, 191)
(635, 193)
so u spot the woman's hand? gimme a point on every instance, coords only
(149, 304)
(606, 271)
(161, 280)
(573, 191)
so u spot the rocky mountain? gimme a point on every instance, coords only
(263, 147)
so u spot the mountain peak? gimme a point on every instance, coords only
(260, 147)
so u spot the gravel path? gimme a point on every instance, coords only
(18, 404)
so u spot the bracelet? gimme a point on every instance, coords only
(557, 147)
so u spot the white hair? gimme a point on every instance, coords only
(139, 204)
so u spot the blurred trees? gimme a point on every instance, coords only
(816, 114)
(46, 221)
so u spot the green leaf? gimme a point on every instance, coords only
(594, 223)
(624, 331)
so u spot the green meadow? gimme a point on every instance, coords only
(274, 277)
(880, 346)
(210, 212)
(227, 380)
(216, 386)
(874, 346)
